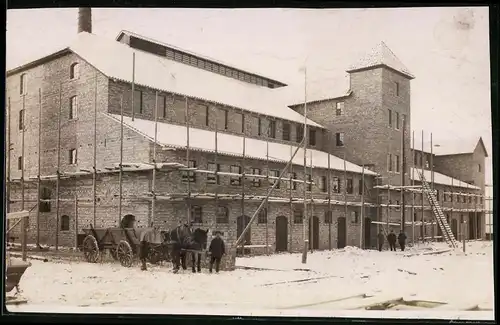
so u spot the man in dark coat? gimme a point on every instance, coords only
(381, 238)
(402, 240)
(217, 249)
(391, 239)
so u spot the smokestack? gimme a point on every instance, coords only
(84, 20)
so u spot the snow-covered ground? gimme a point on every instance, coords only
(332, 283)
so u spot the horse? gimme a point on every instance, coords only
(182, 239)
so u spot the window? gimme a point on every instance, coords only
(312, 137)
(298, 216)
(196, 214)
(247, 78)
(415, 158)
(45, 197)
(201, 64)
(339, 110)
(185, 58)
(226, 116)
(193, 61)
(397, 163)
(360, 187)
(398, 206)
(73, 156)
(291, 184)
(414, 216)
(22, 114)
(259, 126)
(390, 118)
(349, 186)
(426, 163)
(222, 70)
(355, 217)
(300, 133)
(437, 195)
(397, 120)
(479, 168)
(396, 88)
(328, 216)
(73, 108)
(322, 184)
(235, 74)
(22, 84)
(233, 179)
(389, 162)
(138, 101)
(170, 54)
(162, 107)
(339, 139)
(178, 56)
(189, 175)
(274, 173)
(255, 180)
(336, 185)
(242, 123)
(222, 214)
(309, 182)
(286, 131)
(262, 216)
(470, 199)
(272, 129)
(206, 112)
(65, 223)
(74, 71)
(253, 80)
(212, 178)
(403, 121)
(464, 199)
(20, 162)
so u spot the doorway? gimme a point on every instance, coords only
(281, 234)
(367, 230)
(341, 232)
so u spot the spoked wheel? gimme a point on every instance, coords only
(124, 253)
(90, 249)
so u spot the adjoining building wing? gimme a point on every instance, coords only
(175, 136)
(440, 179)
(456, 146)
(114, 59)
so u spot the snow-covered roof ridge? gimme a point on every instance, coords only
(175, 136)
(381, 54)
(440, 179)
(127, 32)
(114, 60)
(457, 146)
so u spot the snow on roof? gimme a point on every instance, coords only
(381, 54)
(126, 32)
(114, 59)
(440, 179)
(449, 147)
(171, 135)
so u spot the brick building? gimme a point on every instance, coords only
(219, 138)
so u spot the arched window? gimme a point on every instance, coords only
(74, 71)
(196, 214)
(262, 216)
(222, 214)
(65, 223)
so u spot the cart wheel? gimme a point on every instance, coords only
(124, 253)
(90, 249)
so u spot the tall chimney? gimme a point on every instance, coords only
(84, 20)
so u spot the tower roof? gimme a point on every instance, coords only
(381, 55)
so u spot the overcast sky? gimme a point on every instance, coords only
(447, 49)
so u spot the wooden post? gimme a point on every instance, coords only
(464, 223)
(402, 169)
(76, 220)
(242, 179)
(153, 183)
(422, 183)
(451, 198)
(330, 217)
(290, 220)
(94, 176)
(345, 199)
(311, 210)
(133, 85)
(362, 208)
(432, 189)
(216, 170)
(187, 163)
(121, 163)
(413, 189)
(267, 181)
(38, 187)
(58, 180)
(9, 149)
(25, 221)
(305, 222)
(389, 181)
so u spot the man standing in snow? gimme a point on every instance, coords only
(217, 250)
(391, 239)
(381, 238)
(402, 240)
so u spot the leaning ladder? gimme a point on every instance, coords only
(438, 213)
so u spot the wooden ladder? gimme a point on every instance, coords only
(438, 212)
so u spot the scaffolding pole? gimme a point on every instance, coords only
(362, 208)
(9, 149)
(242, 179)
(25, 220)
(432, 187)
(216, 171)
(413, 193)
(290, 220)
(267, 183)
(402, 168)
(305, 222)
(94, 175)
(345, 204)
(188, 172)
(422, 228)
(311, 210)
(121, 162)
(153, 183)
(330, 218)
(133, 85)
(38, 187)
(58, 180)
(76, 219)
